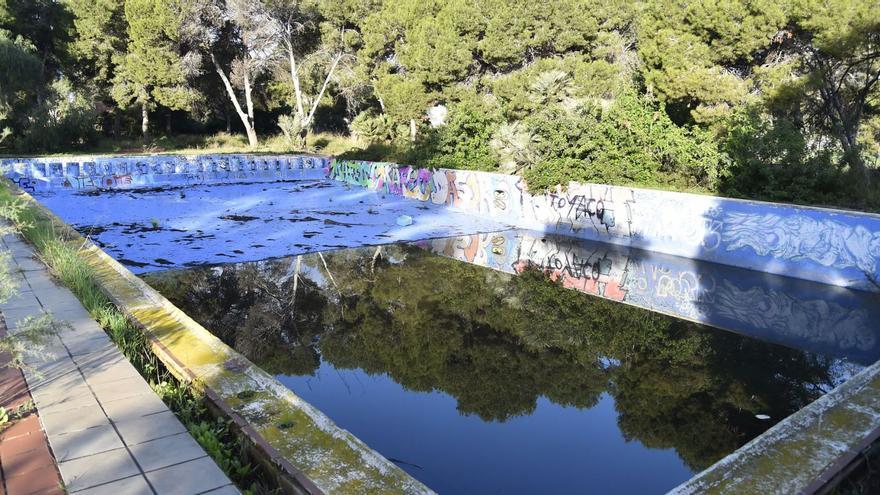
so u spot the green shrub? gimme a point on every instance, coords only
(464, 142)
(33, 333)
(292, 129)
(65, 119)
(772, 160)
(372, 127)
(631, 142)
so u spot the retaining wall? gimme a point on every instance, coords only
(824, 245)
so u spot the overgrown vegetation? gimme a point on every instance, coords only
(30, 338)
(62, 258)
(20, 412)
(749, 98)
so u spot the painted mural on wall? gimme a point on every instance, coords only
(100, 173)
(801, 314)
(829, 246)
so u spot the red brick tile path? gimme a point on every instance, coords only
(27, 466)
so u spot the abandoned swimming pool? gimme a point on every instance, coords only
(476, 356)
(478, 381)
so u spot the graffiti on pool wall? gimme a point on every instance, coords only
(591, 207)
(602, 209)
(25, 183)
(799, 237)
(734, 232)
(127, 172)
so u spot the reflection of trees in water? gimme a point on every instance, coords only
(249, 306)
(497, 343)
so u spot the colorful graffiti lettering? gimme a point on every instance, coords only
(496, 195)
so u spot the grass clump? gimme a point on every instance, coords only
(33, 333)
(61, 256)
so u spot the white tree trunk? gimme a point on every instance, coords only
(145, 121)
(294, 76)
(308, 122)
(246, 118)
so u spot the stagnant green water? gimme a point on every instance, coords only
(477, 381)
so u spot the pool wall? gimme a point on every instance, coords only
(830, 246)
(96, 173)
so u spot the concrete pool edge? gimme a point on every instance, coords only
(804, 451)
(309, 452)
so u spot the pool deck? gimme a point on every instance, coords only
(107, 431)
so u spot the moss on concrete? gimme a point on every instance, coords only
(802, 448)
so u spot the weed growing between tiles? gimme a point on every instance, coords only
(212, 433)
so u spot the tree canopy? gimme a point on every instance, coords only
(750, 98)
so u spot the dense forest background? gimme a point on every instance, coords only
(775, 100)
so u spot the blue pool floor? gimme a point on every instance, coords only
(176, 227)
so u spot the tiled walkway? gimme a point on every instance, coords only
(108, 431)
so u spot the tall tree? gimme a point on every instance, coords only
(152, 70)
(838, 45)
(99, 45)
(237, 38)
(700, 56)
(100, 40)
(421, 51)
(19, 78)
(45, 24)
(314, 39)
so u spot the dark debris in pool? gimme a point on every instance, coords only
(238, 218)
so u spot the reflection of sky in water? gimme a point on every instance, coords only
(554, 449)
